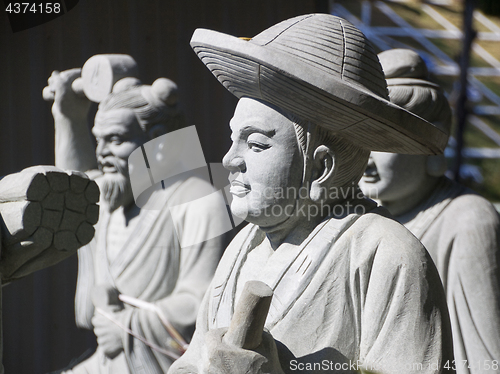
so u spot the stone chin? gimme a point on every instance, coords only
(262, 214)
(370, 188)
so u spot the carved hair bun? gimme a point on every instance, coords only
(165, 90)
(403, 63)
(125, 83)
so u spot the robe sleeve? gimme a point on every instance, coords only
(473, 285)
(197, 264)
(84, 308)
(187, 363)
(404, 320)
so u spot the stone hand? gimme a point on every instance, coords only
(224, 358)
(47, 214)
(245, 347)
(67, 102)
(108, 333)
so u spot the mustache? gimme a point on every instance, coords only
(121, 167)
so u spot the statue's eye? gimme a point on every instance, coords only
(116, 140)
(257, 147)
(258, 142)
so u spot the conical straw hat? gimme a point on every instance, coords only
(323, 69)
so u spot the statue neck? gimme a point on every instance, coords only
(404, 205)
(294, 230)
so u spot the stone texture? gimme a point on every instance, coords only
(460, 229)
(349, 283)
(37, 220)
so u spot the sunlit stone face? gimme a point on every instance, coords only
(118, 134)
(265, 162)
(391, 176)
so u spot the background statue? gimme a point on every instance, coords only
(46, 215)
(352, 289)
(136, 252)
(460, 229)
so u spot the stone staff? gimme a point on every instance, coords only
(247, 325)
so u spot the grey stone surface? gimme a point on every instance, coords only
(39, 226)
(136, 252)
(250, 315)
(352, 289)
(460, 229)
(34, 233)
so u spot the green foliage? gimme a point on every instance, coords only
(490, 169)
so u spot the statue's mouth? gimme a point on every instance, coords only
(371, 174)
(239, 189)
(109, 165)
(109, 169)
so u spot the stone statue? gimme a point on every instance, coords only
(136, 253)
(460, 229)
(352, 290)
(46, 215)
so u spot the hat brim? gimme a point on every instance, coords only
(411, 82)
(248, 69)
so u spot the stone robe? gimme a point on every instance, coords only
(152, 267)
(359, 293)
(461, 231)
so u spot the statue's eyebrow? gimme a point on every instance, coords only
(116, 129)
(249, 129)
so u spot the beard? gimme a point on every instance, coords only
(115, 186)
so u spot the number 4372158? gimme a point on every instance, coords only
(33, 8)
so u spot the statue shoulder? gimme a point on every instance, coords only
(381, 236)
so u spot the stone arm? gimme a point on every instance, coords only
(188, 363)
(219, 351)
(197, 267)
(180, 308)
(473, 286)
(405, 325)
(74, 149)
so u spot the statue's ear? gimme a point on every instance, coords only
(436, 165)
(323, 172)
(157, 130)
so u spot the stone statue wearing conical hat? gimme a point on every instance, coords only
(336, 285)
(460, 229)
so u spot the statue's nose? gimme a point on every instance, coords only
(102, 149)
(233, 162)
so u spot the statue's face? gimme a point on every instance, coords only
(391, 177)
(118, 134)
(265, 161)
